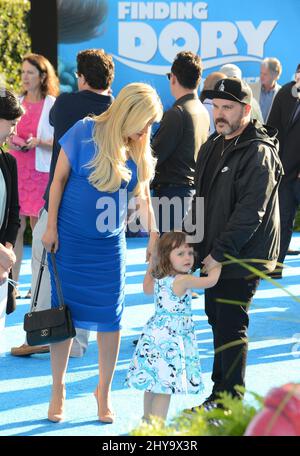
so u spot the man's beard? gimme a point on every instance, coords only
(231, 127)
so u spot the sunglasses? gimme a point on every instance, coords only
(168, 76)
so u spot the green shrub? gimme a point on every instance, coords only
(236, 414)
(232, 421)
(14, 40)
(14, 44)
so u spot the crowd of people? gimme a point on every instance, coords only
(75, 156)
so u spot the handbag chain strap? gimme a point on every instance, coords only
(39, 279)
(57, 282)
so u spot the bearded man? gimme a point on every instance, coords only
(238, 172)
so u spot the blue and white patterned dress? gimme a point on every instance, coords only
(166, 358)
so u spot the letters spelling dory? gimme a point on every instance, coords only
(139, 41)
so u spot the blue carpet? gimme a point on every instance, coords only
(274, 357)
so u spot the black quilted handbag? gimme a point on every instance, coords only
(52, 325)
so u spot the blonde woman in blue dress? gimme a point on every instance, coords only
(166, 359)
(102, 162)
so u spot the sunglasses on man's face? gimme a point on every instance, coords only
(168, 76)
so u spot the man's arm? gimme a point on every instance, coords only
(168, 135)
(189, 220)
(274, 118)
(53, 110)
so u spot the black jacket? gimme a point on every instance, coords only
(281, 117)
(183, 129)
(241, 216)
(11, 222)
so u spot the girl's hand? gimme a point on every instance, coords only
(209, 263)
(154, 236)
(214, 273)
(50, 240)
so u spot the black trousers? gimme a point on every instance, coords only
(289, 200)
(229, 324)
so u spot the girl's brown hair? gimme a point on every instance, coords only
(162, 266)
(49, 81)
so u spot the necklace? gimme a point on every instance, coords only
(235, 140)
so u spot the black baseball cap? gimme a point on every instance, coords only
(232, 89)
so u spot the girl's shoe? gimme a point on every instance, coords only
(56, 406)
(107, 417)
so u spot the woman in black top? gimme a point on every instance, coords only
(10, 113)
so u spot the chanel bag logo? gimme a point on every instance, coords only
(51, 325)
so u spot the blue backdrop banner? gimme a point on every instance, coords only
(144, 37)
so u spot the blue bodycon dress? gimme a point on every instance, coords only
(91, 235)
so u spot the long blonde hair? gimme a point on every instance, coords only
(136, 105)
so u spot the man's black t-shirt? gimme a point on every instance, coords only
(66, 111)
(221, 146)
(213, 160)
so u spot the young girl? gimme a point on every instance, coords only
(166, 359)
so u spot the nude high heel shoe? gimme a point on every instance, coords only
(107, 417)
(56, 406)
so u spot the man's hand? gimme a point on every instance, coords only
(209, 263)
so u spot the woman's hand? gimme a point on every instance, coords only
(32, 142)
(153, 237)
(13, 145)
(50, 240)
(7, 257)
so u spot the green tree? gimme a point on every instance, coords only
(14, 40)
(14, 44)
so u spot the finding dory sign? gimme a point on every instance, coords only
(144, 37)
